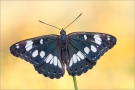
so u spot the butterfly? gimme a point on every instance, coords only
(51, 54)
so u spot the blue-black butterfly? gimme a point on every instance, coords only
(78, 51)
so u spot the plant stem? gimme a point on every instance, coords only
(75, 83)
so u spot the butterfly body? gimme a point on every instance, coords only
(64, 46)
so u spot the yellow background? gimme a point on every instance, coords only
(19, 21)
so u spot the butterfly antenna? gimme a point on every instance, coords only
(73, 21)
(49, 25)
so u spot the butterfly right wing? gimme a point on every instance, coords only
(43, 52)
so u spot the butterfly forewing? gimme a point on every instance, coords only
(92, 45)
(33, 48)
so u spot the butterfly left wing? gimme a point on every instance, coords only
(87, 48)
(43, 52)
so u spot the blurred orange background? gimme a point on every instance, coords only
(19, 21)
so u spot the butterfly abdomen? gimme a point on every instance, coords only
(64, 55)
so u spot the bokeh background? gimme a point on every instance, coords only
(19, 21)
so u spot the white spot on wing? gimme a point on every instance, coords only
(97, 39)
(35, 53)
(80, 55)
(71, 62)
(55, 61)
(74, 58)
(85, 37)
(41, 41)
(29, 45)
(50, 56)
(51, 61)
(78, 58)
(42, 54)
(93, 48)
(87, 50)
(30, 42)
(17, 46)
(29, 48)
(108, 37)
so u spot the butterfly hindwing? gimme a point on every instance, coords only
(93, 45)
(52, 66)
(78, 63)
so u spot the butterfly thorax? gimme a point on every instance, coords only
(64, 46)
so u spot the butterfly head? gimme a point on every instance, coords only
(63, 32)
